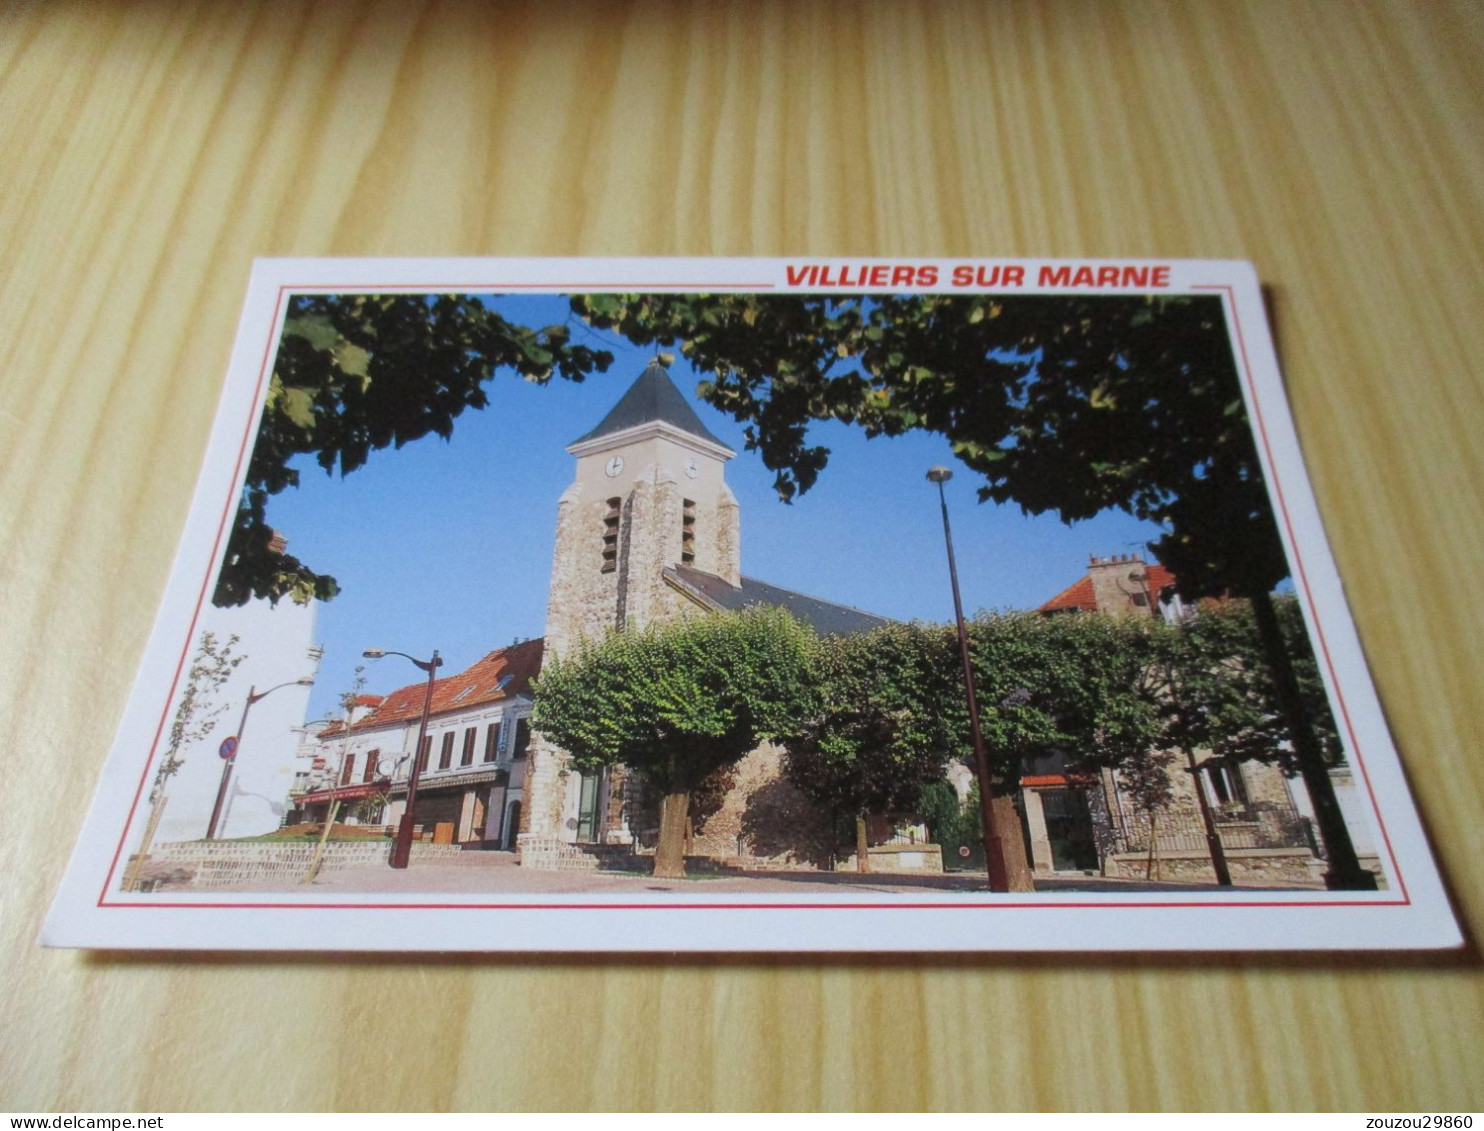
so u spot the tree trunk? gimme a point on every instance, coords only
(669, 853)
(862, 845)
(1345, 872)
(1208, 821)
(131, 874)
(319, 849)
(1018, 874)
(1149, 860)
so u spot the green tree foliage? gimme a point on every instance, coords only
(356, 374)
(1065, 694)
(1310, 683)
(677, 702)
(892, 712)
(1222, 697)
(953, 824)
(1075, 687)
(889, 718)
(1070, 405)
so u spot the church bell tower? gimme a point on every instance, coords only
(649, 494)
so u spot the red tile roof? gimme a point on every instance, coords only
(1080, 594)
(1157, 579)
(484, 682)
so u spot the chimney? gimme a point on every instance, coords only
(1119, 585)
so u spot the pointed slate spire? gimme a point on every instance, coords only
(653, 397)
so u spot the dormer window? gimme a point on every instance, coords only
(611, 521)
(688, 532)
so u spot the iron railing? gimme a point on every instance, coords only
(1181, 829)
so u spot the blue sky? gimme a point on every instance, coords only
(448, 544)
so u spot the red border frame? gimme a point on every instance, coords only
(1230, 305)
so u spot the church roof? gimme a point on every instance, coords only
(825, 617)
(652, 398)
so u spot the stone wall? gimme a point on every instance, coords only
(552, 854)
(1249, 867)
(582, 599)
(728, 546)
(1120, 585)
(546, 780)
(765, 822)
(898, 859)
(1265, 785)
(227, 864)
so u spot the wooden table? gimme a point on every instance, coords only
(150, 150)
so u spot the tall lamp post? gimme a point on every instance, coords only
(402, 849)
(994, 848)
(233, 747)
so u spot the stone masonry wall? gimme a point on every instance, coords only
(1115, 583)
(764, 822)
(583, 601)
(227, 864)
(728, 547)
(551, 854)
(1265, 784)
(1257, 867)
(546, 774)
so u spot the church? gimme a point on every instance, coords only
(648, 531)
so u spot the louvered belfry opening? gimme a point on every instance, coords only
(611, 521)
(688, 532)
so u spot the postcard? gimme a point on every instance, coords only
(753, 605)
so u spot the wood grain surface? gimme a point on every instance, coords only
(148, 151)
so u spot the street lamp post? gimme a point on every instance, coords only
(230, 759)
(402, 848)
(994, 849)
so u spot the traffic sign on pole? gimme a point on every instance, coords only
(228, 749)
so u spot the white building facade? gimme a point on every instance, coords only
(471, 778)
